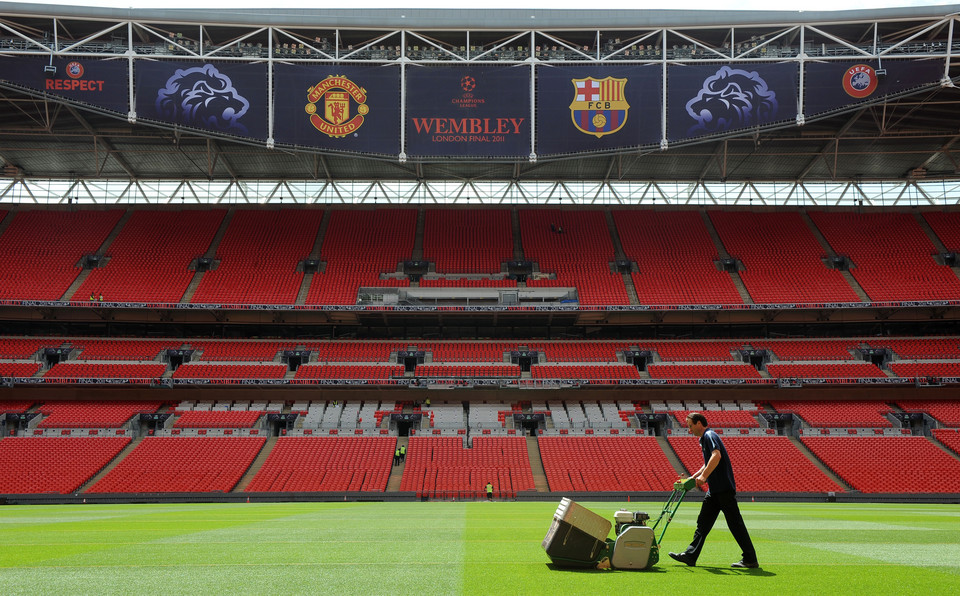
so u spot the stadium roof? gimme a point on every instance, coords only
(904, 139)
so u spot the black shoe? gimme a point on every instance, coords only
(684, 558)
(741, 564)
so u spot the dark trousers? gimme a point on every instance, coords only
(713, 504)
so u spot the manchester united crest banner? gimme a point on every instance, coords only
(598, 108)
(833, 86)
(481, 111)
(223, 97)
(341, 108)
(726, 98)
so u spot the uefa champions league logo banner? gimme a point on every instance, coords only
(99, 83)
(597, 108)
(481, 111)
(832, 86)
(340, 108)
(227, 98)
(726, 98)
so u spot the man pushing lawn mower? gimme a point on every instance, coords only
(721, 496)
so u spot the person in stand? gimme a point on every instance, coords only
(489, 491)
(403, 453)
(721, 496)
(101, 296)
(92, 297)
(396, 457)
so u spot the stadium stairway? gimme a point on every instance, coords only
(517, 241)
(536, 466)
(822, 466)
(314, 254)
(6, 221)
(619, 255)
(396, 472)
(209, 254)
(722, 251)
(832, 253)
(102, 251)
(941, 247)
(672, 456)
(256, 465)
(111, 465)
(417, 254)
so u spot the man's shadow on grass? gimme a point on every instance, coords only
(759, 572)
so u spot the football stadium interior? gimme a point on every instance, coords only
(255, 255)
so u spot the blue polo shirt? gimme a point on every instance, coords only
(721, 479)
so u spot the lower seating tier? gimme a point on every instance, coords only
(54, 465)
(888, 464)
(182, 464)
(761, 464)
(605, 464)
(326, 464)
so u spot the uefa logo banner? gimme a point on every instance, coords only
(599, 106)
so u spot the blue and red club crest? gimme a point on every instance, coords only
(599, 105)
(860, 81)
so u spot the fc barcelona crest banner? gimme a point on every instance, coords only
(581, 108)
(833, 86)
(726, 98)
(462, 111)
(338, 107)
(223, 97)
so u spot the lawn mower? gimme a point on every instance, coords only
(578, 537)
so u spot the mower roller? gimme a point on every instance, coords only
(578, 537)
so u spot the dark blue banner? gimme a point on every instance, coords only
(597, 108)
(345, 108)
(468, 111)
(717, 99)
(101, 83)
(833, 86)
(224, 97)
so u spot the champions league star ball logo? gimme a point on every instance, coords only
(468, 84)
(860, 81)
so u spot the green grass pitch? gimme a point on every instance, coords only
(459, 548)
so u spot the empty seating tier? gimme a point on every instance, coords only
(702, 371)
(19, 369)
(218, 419)
(357, 247)
(609, 372)
(326, 464)
(122, 349)
(852, 370)
(947, 412)
(675, 257)
(182, 465)
(926, 369)
(53, 464)
(949, 437)
(150, 258)
(348, 371)
(620, 464)
(15, 407)
(467, 241)
(439, 467)
(909, 464)
(576, 247)
(781, 258)
(40, 251)
(258, 258)
(68, 371)
(229, 372)
(761, 464)
(891, 255)
(722, 418)
(838, 414)
(93, 414)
